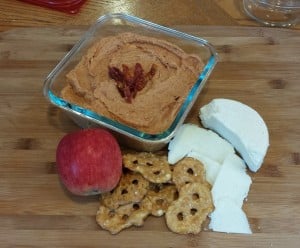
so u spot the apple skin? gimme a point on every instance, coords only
(89, 161)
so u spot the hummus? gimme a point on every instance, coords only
(153, 108)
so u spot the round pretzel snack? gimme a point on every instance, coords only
(189, 211)
(131, 188)
(188, 170)
(153, 167)
(115, 220)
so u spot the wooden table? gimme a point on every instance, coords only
(258, 66)
(172, 12)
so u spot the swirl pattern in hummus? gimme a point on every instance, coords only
(154, 108)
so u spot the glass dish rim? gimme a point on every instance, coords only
(114, 125)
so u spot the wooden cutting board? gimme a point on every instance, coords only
(258, 66)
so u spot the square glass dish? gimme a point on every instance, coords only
(114, 24)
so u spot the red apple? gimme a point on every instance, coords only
(89, 161)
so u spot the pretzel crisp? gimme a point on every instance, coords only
(150, 186)
(115, 220)
(154, 168)
(188, 170)
(189, 211)
(131, 189)
(161, 196)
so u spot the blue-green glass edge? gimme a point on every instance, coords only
(116, 126)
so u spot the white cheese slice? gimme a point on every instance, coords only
(229, 218)
(205, 142)
(241, 125)
(232, 181)
(211, 167)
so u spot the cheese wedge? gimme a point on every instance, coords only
(241, 125)
(230, 188)
(191, 138)
(229, 218)
(232, 181)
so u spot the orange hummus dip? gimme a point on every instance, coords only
(154, 108)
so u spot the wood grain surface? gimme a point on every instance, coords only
(14, 13)
(258, 66)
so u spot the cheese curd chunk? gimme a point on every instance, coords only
(229, 218)
(232, 181)
(230, 189)
(191, 138)
(241, 125)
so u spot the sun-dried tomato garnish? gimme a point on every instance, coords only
(129, 83)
